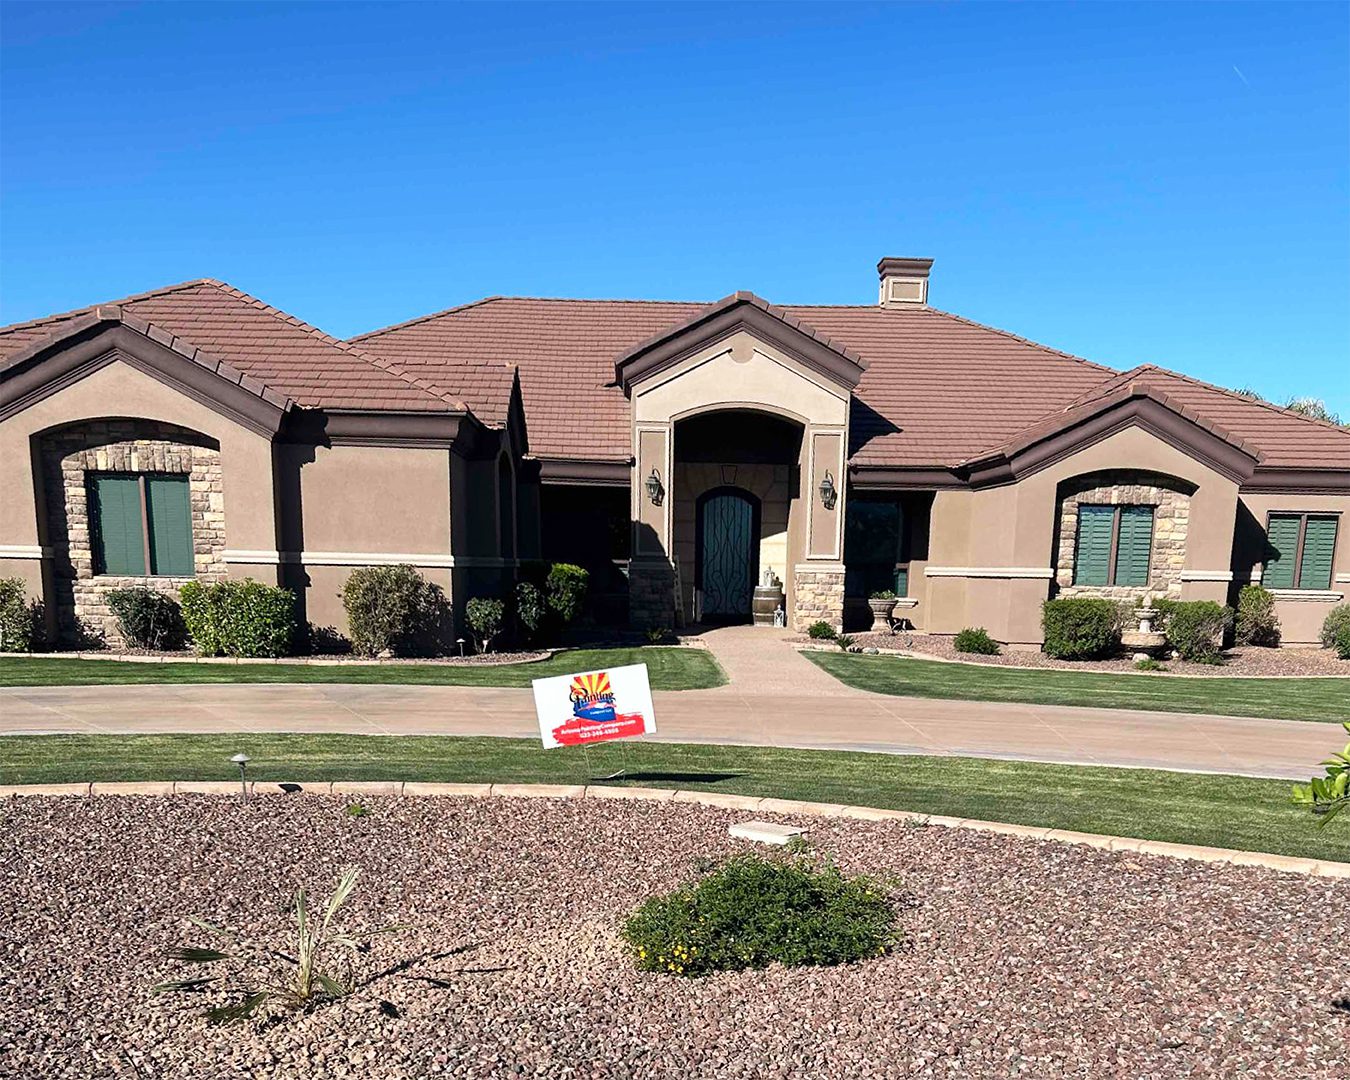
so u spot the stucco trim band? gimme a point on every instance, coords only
(1324, 596)
(25, 551)
(364, 558)
(1045, 572)
(1206, 575)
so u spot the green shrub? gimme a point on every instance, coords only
(392, 610)
(147, 619)
(1149, 664)
(18, 617)
(485, 615)
(975, 640)
(821, 631)
(751, 912)
(1080, 628)
(1338, 618)
(565, 588)
(1328, 795)
(1195, 629)
(1342, 643)
(883, 594)
(530, 610)
(238, 618)
(1256, 622)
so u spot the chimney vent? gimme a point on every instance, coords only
(904, 282)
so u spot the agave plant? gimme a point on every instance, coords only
(1328, 795)
(260, 974)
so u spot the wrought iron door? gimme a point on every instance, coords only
(727, 569)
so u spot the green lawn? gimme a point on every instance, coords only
(1223, 811)
(670, 669)
(1325, 700)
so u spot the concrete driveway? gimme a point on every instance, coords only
(774, 698)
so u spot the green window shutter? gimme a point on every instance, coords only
(1281, 550)
(1092, 551)
(1319, 543)
(901, 585)
(119, 545)
(170, 516)
(1135, 545)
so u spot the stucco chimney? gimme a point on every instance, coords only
(904, 282)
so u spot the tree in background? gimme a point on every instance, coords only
(1307, 406)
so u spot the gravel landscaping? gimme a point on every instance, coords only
(1020, 959)
(1239, 661)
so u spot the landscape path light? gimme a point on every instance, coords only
(242, 761)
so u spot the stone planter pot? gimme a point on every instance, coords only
(881, 615)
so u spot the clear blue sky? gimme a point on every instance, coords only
(1133, 183)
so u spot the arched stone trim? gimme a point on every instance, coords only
(68, 455)
(1170, 498)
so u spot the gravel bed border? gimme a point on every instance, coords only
(1283, 863)
(491, 660)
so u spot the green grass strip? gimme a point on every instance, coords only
(669, 668)
(1321, 700)
(1220, 811)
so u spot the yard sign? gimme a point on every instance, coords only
(594, 706)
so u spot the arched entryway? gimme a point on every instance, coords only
(727, 535)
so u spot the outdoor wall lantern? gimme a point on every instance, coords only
(828, 494)
(655, 491)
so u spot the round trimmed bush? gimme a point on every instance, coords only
(530, 610)
(1338, 619)
(752, 911)
(975, 640)
(821, 631)
(565, 589)
(485, 615)
(1342, 643)
(392, 610)
(17, 616)
(238, 618)
(1080, 628)
(147, 619)
(1195, 628)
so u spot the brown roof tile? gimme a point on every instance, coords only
(253, 344)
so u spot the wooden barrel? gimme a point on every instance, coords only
(768, 599)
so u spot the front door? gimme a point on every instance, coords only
(727, 554)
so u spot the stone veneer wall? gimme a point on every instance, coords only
(817, 595)
(1171, 502)
(68, 455)
(651, 594)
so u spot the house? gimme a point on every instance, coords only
(679, 450)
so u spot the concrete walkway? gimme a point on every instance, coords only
(775, 698)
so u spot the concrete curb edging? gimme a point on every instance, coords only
(722, 800)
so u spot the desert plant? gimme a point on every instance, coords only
(1256, 622)
(844, 641)
(1195, 629)
(17, 616)
(147, 618)
(821, 631)
(1342, 643)
(530, 610)
(357, 809)
(238, 618)
(1328, 795)
(485, 615)
(975, 640)
(565, 588)
(392, 611)
(259, 974)
(659, 635)
(752, 911)
(1080, 628)
(1338, 618)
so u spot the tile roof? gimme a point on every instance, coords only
(288, 357)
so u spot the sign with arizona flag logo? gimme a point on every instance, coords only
(594, 706)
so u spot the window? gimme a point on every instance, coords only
(140, 524)
(873, 556)
(1299, 548)
(1114, 545)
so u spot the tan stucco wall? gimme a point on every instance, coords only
(1012, 527)
(1300, 616)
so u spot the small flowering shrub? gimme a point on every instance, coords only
(752, 911)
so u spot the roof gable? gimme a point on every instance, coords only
(740, 311)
